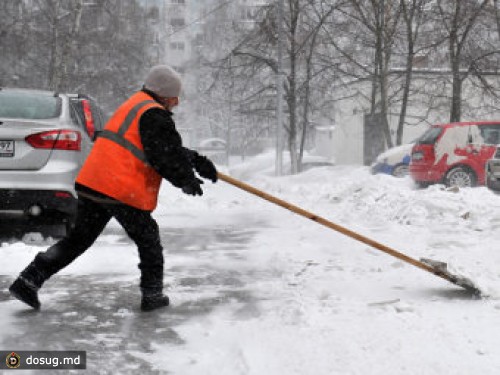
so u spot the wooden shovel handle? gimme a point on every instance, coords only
(331, 225)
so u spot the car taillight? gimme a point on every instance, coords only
(62, 194)
(417, 155)
(89, 120)
(56, 139)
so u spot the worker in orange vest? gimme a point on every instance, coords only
(121, 178)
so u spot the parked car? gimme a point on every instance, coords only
(395, 161)
(454, 154)
(493, 171)
(213, 144)
(214, 148)
(308, 164)
(44, 139)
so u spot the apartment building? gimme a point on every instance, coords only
(182, 29)
(183, 20)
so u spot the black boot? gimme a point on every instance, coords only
(153, 299)
(152, 287)
(25, 287)
(26, 292)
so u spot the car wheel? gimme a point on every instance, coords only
(401, 170)
(422, 185)
(492, 185)
(460, 177)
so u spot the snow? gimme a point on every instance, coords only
(395, 154)
(321, 303)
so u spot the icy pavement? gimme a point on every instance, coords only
(99, 313)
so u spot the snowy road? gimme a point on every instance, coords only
(257, 290)
(99, 313)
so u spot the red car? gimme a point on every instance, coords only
(454, 154)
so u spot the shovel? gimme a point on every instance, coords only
(437, 268)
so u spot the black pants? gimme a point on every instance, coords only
(91, 220)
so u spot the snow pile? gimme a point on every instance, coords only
(342, 307)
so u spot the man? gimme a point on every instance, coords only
(121, 178)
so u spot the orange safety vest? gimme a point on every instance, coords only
(116, 165)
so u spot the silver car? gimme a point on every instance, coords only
(493, 171)
(44, 139)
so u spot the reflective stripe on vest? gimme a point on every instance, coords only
(131, 115)
(118, 136)
(118, 139)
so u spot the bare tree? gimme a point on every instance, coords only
(230, 96)
(14, 19)
(256, 54)
(380, 19)
(364, 38)
(458, 19)
(496, 12)
(98, 48)
(413, 13)
(63, 39)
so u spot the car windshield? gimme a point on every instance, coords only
(490, 134)
(27, 105)
(430, 136)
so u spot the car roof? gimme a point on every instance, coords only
(46, 92)
(207, 141)
(37, 91)
(468, 123)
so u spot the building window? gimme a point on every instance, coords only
(248, 13)
(178, 2)
(177, 23)
(177, 46)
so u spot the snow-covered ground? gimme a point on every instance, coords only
(314, 301)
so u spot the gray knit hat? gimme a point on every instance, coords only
(163, 81)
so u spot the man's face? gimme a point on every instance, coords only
(169, 103)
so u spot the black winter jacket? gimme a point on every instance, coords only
(163, 147)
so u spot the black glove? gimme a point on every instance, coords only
(205, 168)
(193, 187)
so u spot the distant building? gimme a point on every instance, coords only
(185, 28)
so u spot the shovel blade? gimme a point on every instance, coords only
(442, 270)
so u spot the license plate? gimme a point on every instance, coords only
(6, 149)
